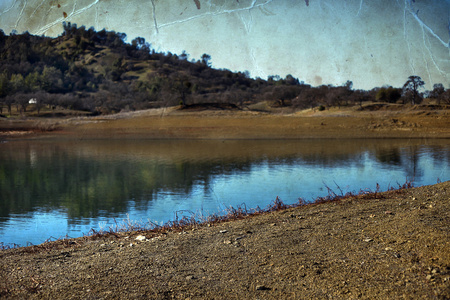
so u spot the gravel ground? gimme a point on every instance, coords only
(392, 245)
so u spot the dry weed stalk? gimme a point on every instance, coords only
(193, 220)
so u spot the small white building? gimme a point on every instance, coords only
(32, 101)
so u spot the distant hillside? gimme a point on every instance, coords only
(98, 72)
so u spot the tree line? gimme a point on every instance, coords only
(100, 73)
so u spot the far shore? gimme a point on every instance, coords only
(176, 123)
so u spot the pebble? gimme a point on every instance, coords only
(190, 277)
(141, 238)
(223, 231)
(368, 240)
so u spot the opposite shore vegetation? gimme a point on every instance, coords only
(89, 72)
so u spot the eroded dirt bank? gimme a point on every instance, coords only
(391, 245)
(175, 124)
(172, 123)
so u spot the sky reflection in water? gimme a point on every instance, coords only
(58, 188)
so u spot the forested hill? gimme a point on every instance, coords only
(98, 72)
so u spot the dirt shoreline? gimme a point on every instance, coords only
(173, 123)
(388, 245)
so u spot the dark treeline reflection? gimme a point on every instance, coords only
(88, 186)
(91, 179)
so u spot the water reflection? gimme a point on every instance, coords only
(82, 184)
(389, 156)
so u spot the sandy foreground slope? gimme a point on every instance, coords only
(392, 245)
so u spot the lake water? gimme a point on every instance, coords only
(53, 189)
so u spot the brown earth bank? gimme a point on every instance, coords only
(371, 121)
(390, 245)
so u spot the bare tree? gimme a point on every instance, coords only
(180, 85)
(438, 90)
(412, 85)
(22, 100)
(283, 93)
(9, 100)
(40, 100)
(446, 96)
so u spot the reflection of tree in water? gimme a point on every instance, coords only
(440, 157)
(408, 158)
(89, 186)
(86, 187)
(412, 170)
(390, 156)
(330, 160)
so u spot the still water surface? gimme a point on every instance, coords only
(53, 189)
